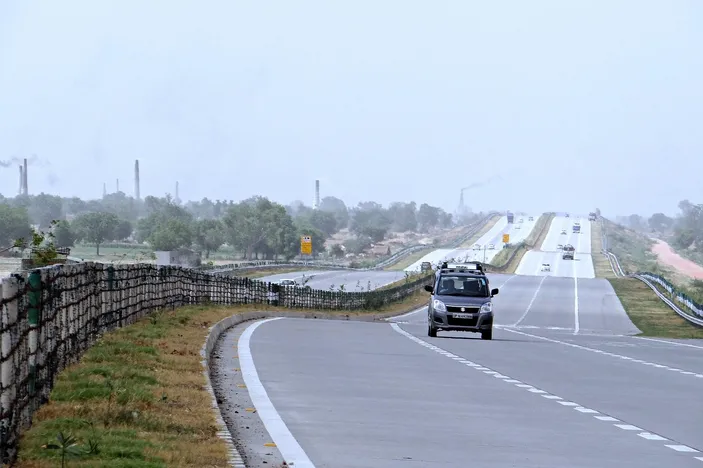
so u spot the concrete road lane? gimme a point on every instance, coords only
(517, 232)
(549, 253)
(352, 280)
(364, 395)
(642, 399)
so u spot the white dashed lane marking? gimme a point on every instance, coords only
(606, 353)
(543, 393)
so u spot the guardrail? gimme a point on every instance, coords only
(51, 316)
(695, 316)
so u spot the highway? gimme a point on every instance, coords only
(351, 280)
(582, 264)
(563, 383)
(517, 231)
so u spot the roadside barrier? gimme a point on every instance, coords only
(51, 316)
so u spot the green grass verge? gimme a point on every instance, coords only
(601, 264)
(649, 313)
(137, 397)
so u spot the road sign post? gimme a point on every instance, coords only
(306, 245)
(506, 238)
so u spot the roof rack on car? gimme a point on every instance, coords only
(471, 267)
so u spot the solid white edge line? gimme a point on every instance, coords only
(290, 449)
(666, 341)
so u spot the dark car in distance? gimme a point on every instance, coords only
(461, 301)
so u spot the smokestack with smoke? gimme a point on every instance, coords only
(21, 181)
(24, 178)
(136, 180)
(316, 203)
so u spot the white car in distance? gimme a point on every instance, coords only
(546, 267)
(491, 247)
(477, 246)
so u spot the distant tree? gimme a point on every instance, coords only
(209, 235)
(427, 217)
(14, 224)
(404, 216)
(370, 220)
(44, 208)
(337, 207)
(660, 222)
(123, 230)
(171, 234)
(337, 251)
(96, 227)
(159, 212)
(63, 234)
(121, 205)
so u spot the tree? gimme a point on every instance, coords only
(159, 212)
(14, 224)
(123, 230)
(337, 207)
(306, 229)
(337, 251)
(171, 234)
(43, 209)
(63, 234)
(370, 220)
(427, 217)
(660, 222)
(404, 216)
(258, 225)
(96, 227)
(209, 235)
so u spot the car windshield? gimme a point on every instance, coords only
(450, 285)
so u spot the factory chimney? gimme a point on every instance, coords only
(24, 178)
(136, 180)
(104, 189)
(316, 204)
(177, 200)
(21, 180)
(117, 185)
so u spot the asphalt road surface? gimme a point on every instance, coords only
(351, 280)
(562, 384)
(517, 232)
(582, 264)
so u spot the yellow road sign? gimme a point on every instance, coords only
(306, 245)
(506, 238)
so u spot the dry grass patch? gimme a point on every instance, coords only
(137, 397)
(649, 313)
(601, 264)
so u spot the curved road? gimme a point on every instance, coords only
(562, 384)
(351, 280)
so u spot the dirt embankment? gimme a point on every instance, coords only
(666, 255)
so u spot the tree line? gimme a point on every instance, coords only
(683, 230)
(257, 227)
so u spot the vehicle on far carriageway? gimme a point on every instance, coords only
(461, 301)
(546, 267)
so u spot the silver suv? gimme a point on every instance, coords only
(460, 301)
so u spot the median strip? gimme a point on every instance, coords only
(507, 260)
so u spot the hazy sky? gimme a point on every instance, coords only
(574, 104)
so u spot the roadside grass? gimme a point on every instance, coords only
(503, 261)
(410, 259)
(601, 264)
(634, 251)
(137, 397)
(649, 313)
(481, 232)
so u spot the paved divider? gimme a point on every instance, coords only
(51, 316)
(524, 246)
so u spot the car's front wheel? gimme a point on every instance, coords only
(431, 329)
(487, 334)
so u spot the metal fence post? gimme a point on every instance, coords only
(8, 293)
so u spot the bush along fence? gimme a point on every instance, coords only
(675, 295)
(50, 316)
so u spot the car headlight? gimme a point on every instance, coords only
(487, 308)
(439, 306)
